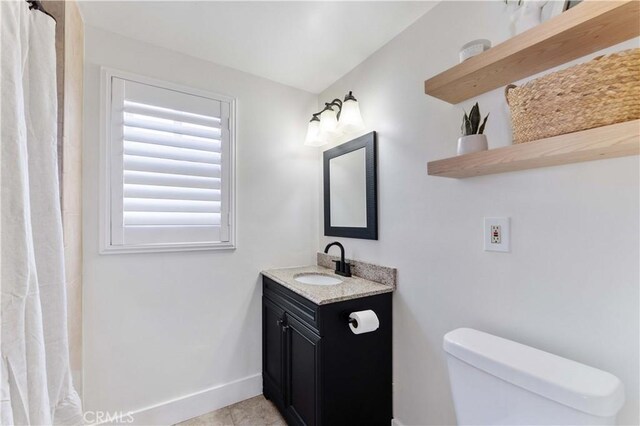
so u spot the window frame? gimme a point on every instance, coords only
(105, 208)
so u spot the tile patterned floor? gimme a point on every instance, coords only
(256, 411)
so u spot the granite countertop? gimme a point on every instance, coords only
(350, 288)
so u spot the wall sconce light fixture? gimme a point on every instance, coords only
(337, 117)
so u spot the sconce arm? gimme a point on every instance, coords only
(329, 105)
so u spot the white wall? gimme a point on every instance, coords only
(570, 284)
(161, 326)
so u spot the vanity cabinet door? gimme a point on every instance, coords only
(273, 340)
(303, 378)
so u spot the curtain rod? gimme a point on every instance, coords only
(37, 5)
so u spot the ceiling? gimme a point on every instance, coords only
(308, 45)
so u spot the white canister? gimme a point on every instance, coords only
(474, 48)
(472, 143)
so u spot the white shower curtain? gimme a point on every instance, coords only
(36, 387)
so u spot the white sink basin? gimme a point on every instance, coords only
(317, 279)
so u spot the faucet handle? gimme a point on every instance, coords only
(346, 268)
(340, 268)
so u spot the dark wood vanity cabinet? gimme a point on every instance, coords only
(315, 370)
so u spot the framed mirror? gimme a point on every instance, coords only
(350, 189)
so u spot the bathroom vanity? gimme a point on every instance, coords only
(315, 369)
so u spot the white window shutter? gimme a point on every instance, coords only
(226, 172)
(115, 162)
(169, 165)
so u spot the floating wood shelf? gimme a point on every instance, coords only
(586, 28)
(616, 140)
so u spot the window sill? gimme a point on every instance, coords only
(166, 248)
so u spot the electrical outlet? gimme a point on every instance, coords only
(497, 234)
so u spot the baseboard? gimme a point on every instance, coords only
(396, 422)
(196, 404)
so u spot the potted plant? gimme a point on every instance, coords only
(472, 139)
(528, 14)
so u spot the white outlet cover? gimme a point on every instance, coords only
(504, 234)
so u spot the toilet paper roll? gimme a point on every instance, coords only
(363, 322)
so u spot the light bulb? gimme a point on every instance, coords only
(350, 117)
(313, 133)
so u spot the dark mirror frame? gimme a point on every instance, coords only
(368, 142)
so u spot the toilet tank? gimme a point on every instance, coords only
(495, 381)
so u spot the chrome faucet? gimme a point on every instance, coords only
(342, 267)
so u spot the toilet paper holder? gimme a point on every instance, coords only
(365, 321)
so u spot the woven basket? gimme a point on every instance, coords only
(603, 91)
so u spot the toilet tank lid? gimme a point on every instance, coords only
(567, 382)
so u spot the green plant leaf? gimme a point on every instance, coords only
(465, 124)
(474, 118)
(484, 122)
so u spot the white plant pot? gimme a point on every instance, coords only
(527, 16)
(472, 143)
